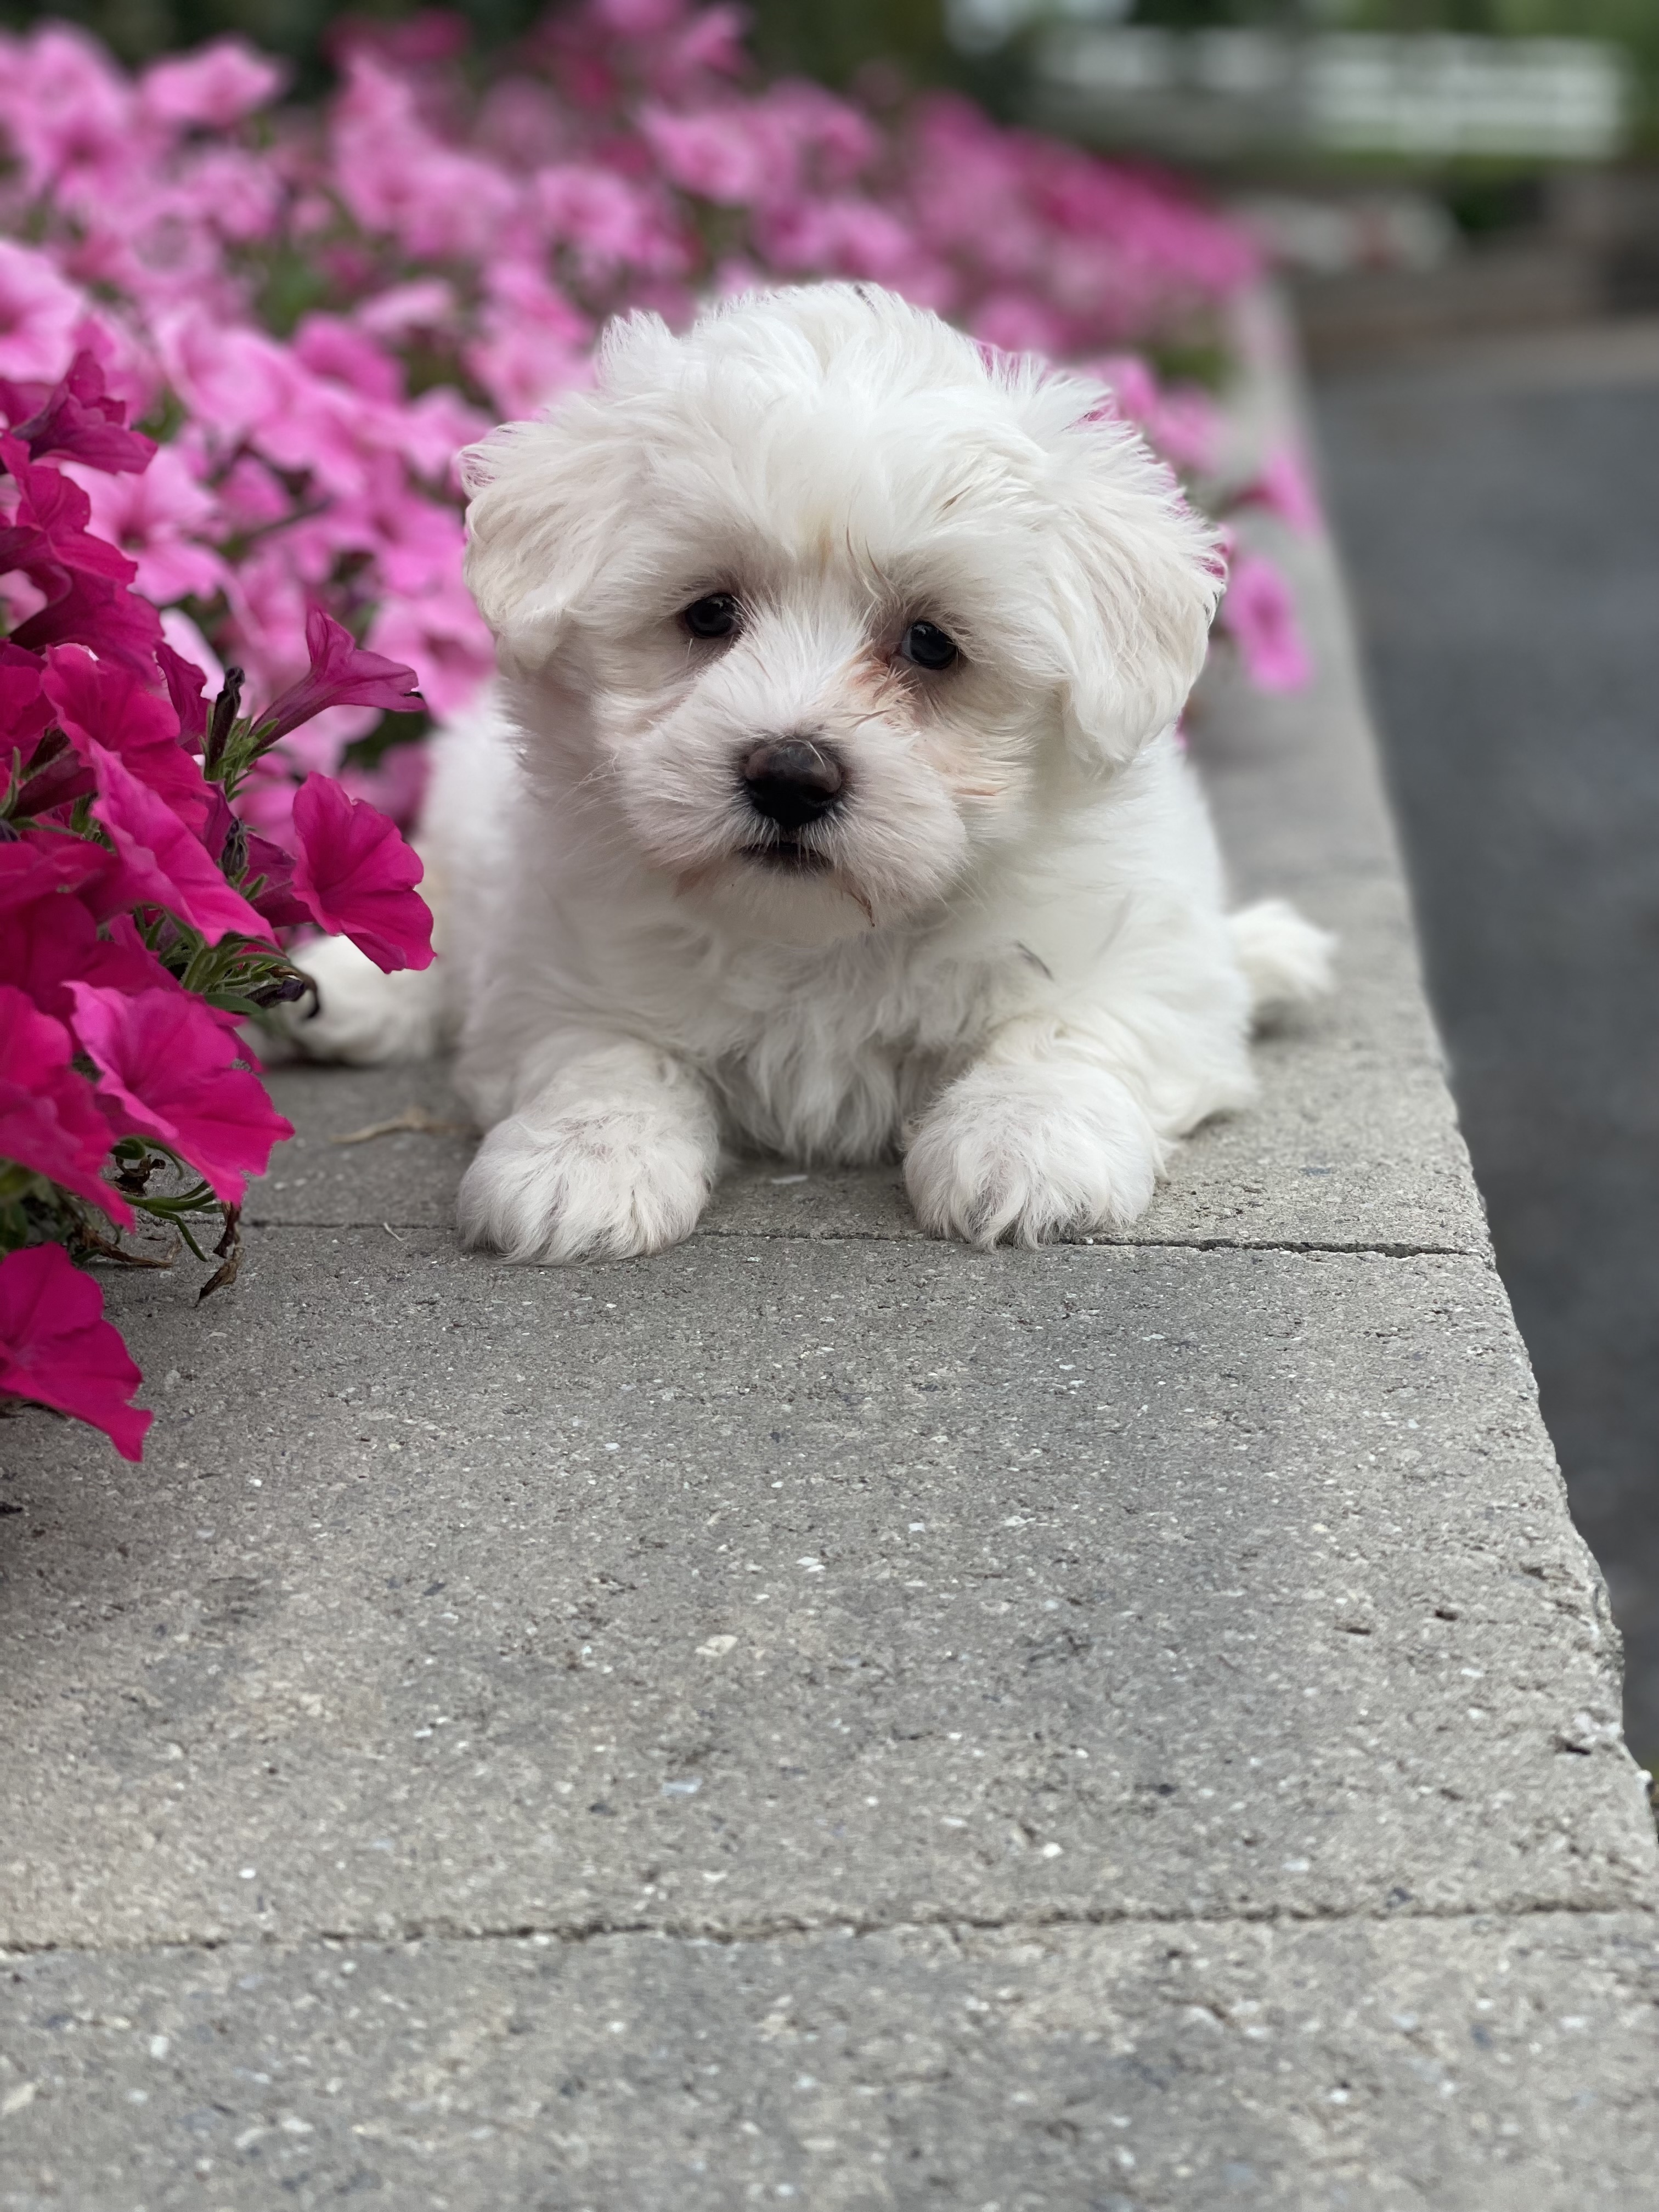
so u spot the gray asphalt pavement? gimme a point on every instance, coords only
(1498, 514)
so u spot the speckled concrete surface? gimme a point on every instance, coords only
(1485, 2065)
(1500, 511)
(814, 1582)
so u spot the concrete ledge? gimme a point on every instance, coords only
(1441, 2063)
(1094, 1583)
(824, 1714)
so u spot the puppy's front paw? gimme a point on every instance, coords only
(1022, 1154)
(586, 1183)
(360, 1015)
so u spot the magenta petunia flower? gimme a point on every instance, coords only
(1258, 614)
(57, 1349)
(49, 1118)
(79, 420)
(50, 942)
(98, 611)
(25, 711)
(42, 861)
(48, 531)
(167, 1069)
(342, 674)
(186, 684)
(357, 878)
(165, 863)
(100, 704)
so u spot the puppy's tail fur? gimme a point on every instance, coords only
(1285, 959)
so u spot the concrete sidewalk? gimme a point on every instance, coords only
(826, 1718)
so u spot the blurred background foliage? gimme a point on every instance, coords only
(833, 39)
(885, 46)
(830, 40)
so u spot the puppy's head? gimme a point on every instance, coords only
(823, 605)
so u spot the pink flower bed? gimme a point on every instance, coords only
(314, 310)
(307, 312)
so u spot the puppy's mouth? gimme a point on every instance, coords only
(784, 856)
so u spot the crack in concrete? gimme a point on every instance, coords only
(792, 1928)
(1309, 1248)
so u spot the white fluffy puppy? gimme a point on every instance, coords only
(829, 804)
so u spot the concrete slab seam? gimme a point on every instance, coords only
(779, 1928)
(1309, 1249)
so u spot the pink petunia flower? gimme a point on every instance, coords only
(396, 785)
(637, 19)
(165, 865)
(1258, 614)
(610, 221)
(358, 877)
(717, 156)
(250, 496)
(168, 1070)
(843, 237)
(57, 1349)
(813, 134)
(439, 632)
(1285, 486)
(427, 303)
(49, 1118)
(216, 87)
(158, 520)
(710, 44)
(1018, 322)
(66, 105)
(531, 344)
(331, 347)
(1187, 427)
(39, 313)
(234, 380)
(397, 178)
(224, 192)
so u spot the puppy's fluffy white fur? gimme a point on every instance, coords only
(1003, 954)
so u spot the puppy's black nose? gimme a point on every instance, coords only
(792, 782)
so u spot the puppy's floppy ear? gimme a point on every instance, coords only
(519, 541)
(544, 499)
(1136, 584)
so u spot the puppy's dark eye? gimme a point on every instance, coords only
(718, 616)
(925, 646)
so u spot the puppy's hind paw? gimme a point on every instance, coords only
(586, 1183)
(1021, 1155)
(1285, 958)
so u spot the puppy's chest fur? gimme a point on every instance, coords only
(837, 1062)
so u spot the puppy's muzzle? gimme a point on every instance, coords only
(793, 782)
